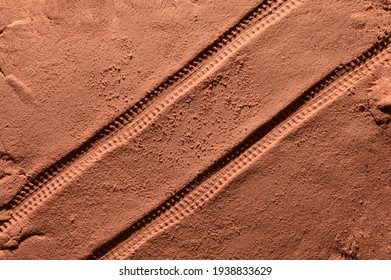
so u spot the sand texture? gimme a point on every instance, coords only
(195, 129)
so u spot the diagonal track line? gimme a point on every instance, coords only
(208, 183)
(125, 127)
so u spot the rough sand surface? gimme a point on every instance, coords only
(148, 186)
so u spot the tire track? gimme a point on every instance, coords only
(122, 129)
(208, 183)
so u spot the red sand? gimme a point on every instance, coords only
(320, 191)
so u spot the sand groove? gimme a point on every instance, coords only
(123, 128)
(202, 188)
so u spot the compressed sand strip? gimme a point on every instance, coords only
(200, 190)
(121, 130)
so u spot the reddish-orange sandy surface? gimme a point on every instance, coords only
(195, 129)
